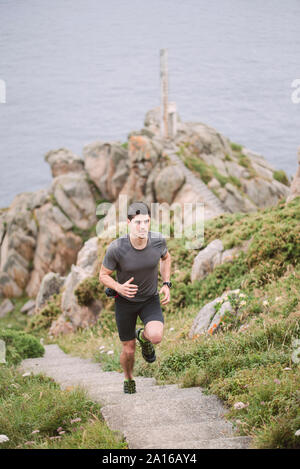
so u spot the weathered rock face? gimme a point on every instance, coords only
(245, 179)
(87, 258)
(146, 162)
(73, 315)
(50, 285)
(168, 183)
(6, 307)
(79, 316)
(214, 254)
(73, 194)
(107, 166)
(36, 231)
(63, 161)
(208, 320)
(28, 307)
(56, 250)
(295, 186)
(18, 233)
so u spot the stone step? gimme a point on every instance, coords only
(114, 395)
(170, 410)
(236, 442)
(176, 434)
(155, 417)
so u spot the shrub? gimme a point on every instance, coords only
(43, 319)
(281, 177)
(20, 345)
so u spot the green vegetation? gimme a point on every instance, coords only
(236, 147)
(281, 176)
(43, 319)
(19, 345)
(199, 167)
(35, 413)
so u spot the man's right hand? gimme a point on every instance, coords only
(128, 289)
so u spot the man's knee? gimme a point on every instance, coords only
(154, 332)
(129, 348)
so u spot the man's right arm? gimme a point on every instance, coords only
(106, 279)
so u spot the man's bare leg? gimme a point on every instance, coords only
(153, 331)
(127, 357)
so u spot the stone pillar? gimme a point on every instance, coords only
(164, 93)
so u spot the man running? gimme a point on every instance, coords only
(135, 257)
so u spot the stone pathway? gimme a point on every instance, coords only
(155, 417)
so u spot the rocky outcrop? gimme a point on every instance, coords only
(50, 285)
(168, 183)
(213, 255)
(73, 195)
(73, 314)
(295, 186)
(6, 307)
(42, 231)
(56, 249)
(28, 308)
(242, 179)
(63, 161)
(87, 258)
(19, 233)
(208, 320)
(107, 166)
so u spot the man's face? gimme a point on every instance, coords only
(139, 226)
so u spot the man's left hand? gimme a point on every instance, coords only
(166, 290)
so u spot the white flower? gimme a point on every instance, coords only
(243, 303)
(278, 298)
(3, 438)
(287, 368)
(102, 347)
(35, 431)
(265, 303)
(171, 329)
(110, 352)
(240, 405)
(102, 351)
(242, 295)
(297, 433)
(26, 374)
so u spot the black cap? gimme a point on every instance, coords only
(137, 208)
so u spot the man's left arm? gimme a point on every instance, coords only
(165, 270)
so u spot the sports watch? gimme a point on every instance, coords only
(168, 283)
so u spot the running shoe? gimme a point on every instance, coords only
(148, 351)
(129, 386)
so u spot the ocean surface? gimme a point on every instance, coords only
(84, 70)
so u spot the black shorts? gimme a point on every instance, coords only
(126, 313)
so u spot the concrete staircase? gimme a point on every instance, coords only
(155, 417)
(212, 205)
